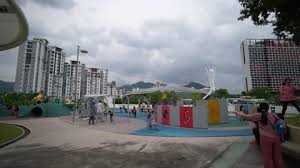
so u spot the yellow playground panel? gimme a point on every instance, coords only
(39, 97)
(214, 112)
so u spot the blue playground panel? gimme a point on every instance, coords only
(165, 131)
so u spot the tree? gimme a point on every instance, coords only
(155, 97)
(261, 93)
(11, 98)
(283, 15)
(197, 96)
(274, 99)
(118, 101)
(133, 99)
(244, 93)
(172, 95)
(222, 93)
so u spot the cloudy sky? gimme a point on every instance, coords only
(171, 41)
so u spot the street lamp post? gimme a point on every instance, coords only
(76, 76)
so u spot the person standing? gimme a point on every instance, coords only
(287, 95)
(134, 112)
(111, 115)
(92, 111)
(17, 109)
(270, 142)
(12, 110)
(125, 109)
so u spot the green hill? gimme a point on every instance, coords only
(141, 85)
(6, 86)
(195, 85)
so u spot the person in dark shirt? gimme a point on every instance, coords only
(111, 114)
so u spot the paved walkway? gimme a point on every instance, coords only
(55, 143)
(119, 125)
(243, 155)
(137, 126)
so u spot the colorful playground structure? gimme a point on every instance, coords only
(199, 115)
(39, 98)
(44, 110)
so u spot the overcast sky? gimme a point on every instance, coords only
(171, 41)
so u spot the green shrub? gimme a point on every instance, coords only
(118, 101)
(12, 98)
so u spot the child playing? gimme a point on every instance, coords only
(111, 114)
(150, 122)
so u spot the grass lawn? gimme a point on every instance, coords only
(9, 132)
(295, 120)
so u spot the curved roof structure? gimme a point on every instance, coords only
(13, 25)
(177, 89)
(95, 95)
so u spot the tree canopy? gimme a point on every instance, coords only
(12, 98)
(197, 96)
(283, 15)
(243, 93)
(221, 93)
(261, 93)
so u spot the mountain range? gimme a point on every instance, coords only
(6, 86)
(9, 86)
(140, 84)
(195, 85)
(145, 85)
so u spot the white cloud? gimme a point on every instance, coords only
(169, 41)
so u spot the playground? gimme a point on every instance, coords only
(57, 141)
(125, 124)
(169, 133)
(202, 134)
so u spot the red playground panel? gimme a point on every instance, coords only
(165, 115)
(186, 117)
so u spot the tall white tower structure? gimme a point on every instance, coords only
(211, 72)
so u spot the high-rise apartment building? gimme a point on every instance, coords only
(42, 68)
(95, 81)
(267, 62)
(55, 70)
(70, 80)
(31, 70)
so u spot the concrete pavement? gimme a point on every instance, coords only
(119, 125)
(55, 143)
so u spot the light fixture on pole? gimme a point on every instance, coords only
(76, 76)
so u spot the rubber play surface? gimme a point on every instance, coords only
(233, 127)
